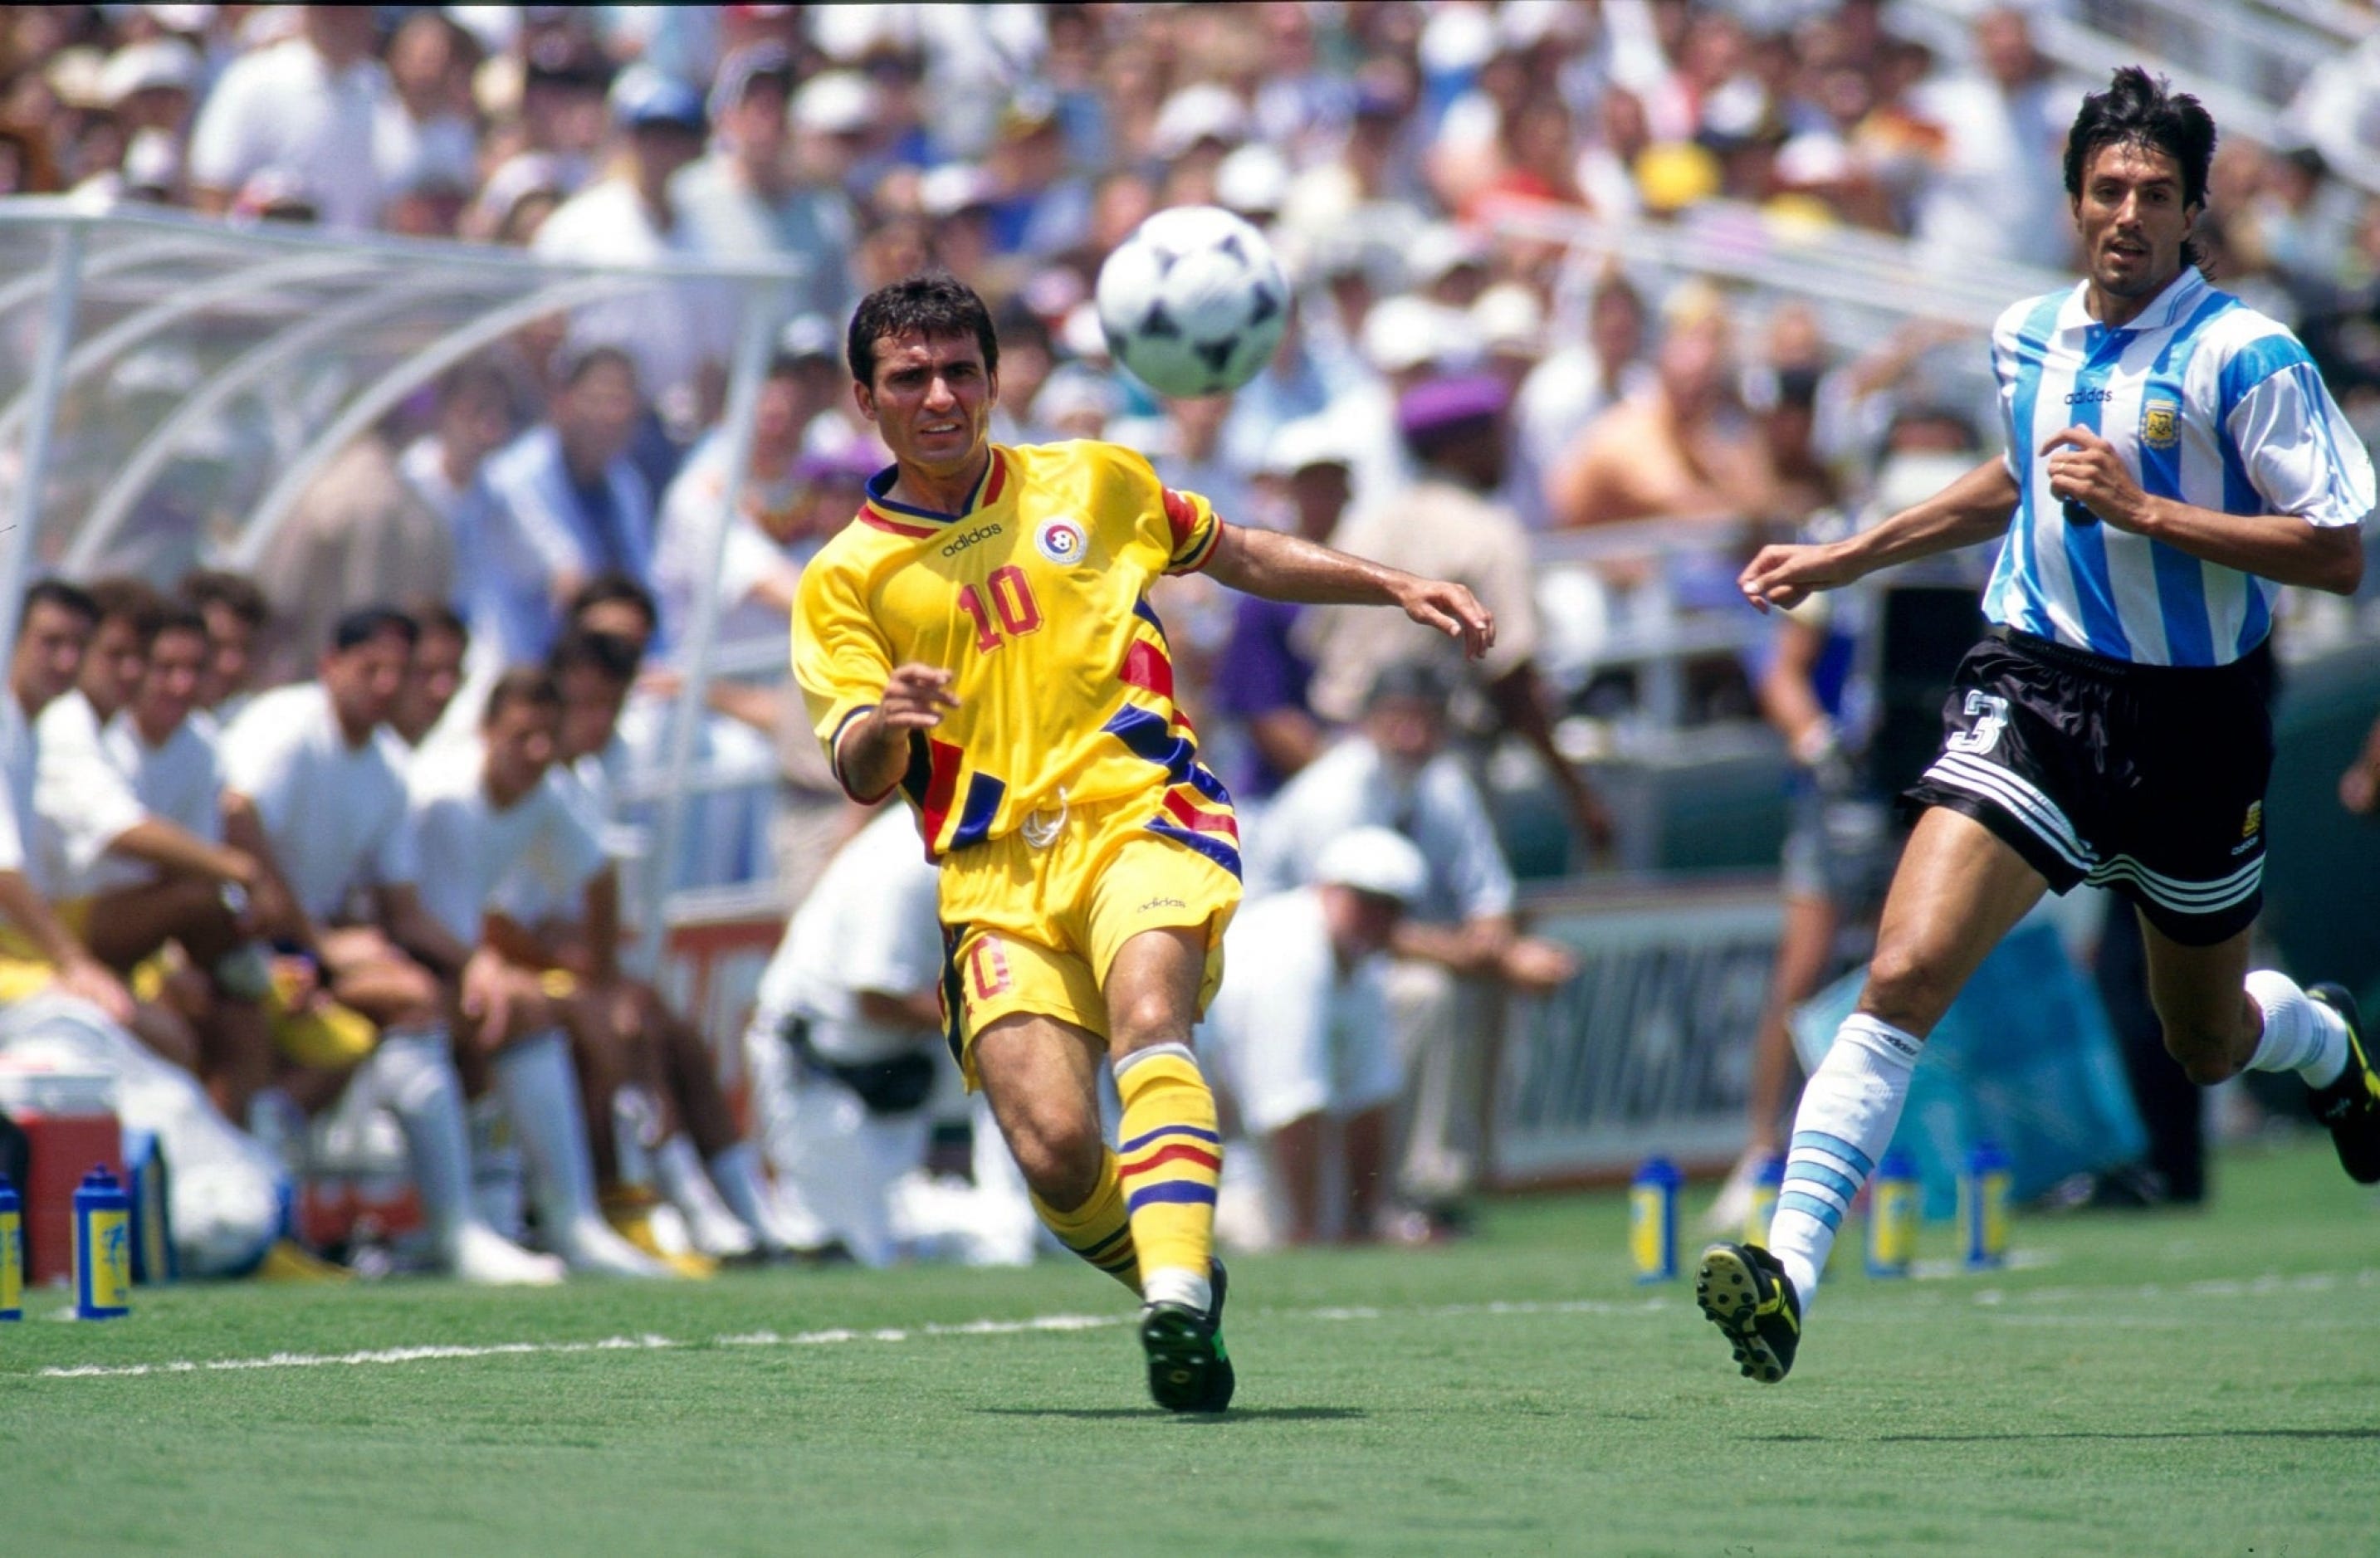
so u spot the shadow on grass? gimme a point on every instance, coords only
(2372, 1433)
(1236, 1414)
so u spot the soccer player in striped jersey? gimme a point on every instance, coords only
(981, 639)
(2172, 460)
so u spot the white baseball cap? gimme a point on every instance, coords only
(1308, 441)
(1380, 861)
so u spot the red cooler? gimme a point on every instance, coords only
(69, 1117)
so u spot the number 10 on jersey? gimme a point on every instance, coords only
(1002, 607)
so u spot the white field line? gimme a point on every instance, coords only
(2256, 1288)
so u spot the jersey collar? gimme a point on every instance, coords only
(885, 512)
(2170, 307)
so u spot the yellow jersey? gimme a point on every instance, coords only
(1036, 598)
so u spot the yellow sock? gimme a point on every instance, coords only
(1170, 1159)
(1098, 1230)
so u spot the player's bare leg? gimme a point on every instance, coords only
(2221, 1018)
(1040, 1076)
(1957, 891)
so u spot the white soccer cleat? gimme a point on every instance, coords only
(481, 1255)
(589, 1245)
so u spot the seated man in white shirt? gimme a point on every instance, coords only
(846, 1051)
(1392, 771)
(657, 1117)
(236, 613)
(314, 789)
(477, 808)
(147, 879)
(1301, 1031)
(433, 675)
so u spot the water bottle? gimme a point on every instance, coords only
(103, 1247)
(12, 1253)
(153, 1226)
(1653, 1220)
(1767, 1184)
(1983, 1207)
(1892, 1210)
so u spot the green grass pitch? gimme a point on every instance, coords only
(2179, 1383)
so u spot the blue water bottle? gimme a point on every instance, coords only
(1983, 1207)
(1767, 1184)
(1653, 1220)
(12, 1253)
(103, 1247)
(1893, 1198)
(153, 1226)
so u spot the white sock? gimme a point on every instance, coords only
(1845, 1119)
(715, 1229)
(1177, 1285)
(2301, 1035)
(411, 1074)
(736, 1172)
(539, 1088)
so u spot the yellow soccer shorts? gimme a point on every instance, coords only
(1035, 928)
(25, 970)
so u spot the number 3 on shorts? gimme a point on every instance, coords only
(1990, 715)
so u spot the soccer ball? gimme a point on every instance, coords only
(1194, 302)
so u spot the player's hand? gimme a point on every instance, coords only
(1784, 576)
(916, 698)
(2085, 469)
(1534, 963)
(88, 978)
(1452, 610)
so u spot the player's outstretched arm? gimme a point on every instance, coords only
(1287, 567)
(1974, 507)
(873, 751)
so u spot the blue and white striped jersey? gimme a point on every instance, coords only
(2206, 400)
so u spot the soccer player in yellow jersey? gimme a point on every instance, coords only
(981, 639)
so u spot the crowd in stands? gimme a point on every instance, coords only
(1449, 396)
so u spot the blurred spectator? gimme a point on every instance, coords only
(567, 505)
(628, 217)
(443, 468)
(1682, 449)
(1395, 772)
(1582, 378)
(1302, 1033)
(1997, 192)
(236, 614)
(360, 533)
(1448, 525)
(1262, 675)
(424, 136)
(434, 674)
(744, 202)
(306, 110)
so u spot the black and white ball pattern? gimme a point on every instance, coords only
(1194, 302)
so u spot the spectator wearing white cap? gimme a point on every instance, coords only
(835, 130)
(628, 217)
(1303, 1035)
(1393, 772)
(742, 201)
(303, 109)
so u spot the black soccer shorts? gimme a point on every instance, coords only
(2148, 780)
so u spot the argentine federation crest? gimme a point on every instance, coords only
(2161, 424)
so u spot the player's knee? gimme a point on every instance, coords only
(1148, 1017)
(1906, 989)
(1059, 1155)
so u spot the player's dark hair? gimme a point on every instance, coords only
(58, 592)
(2137, 110)
(364, 624)
(613, 585)
(608, 655)
(236, 594)
(431, 616)
(934, 303)
(522, 684)
(123, 598)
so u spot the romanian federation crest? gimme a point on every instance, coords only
(2161, 423)
(1061, 541)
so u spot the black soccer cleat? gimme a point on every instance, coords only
(2350, 1106)
(1745, 1293)
(1189, 1370)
